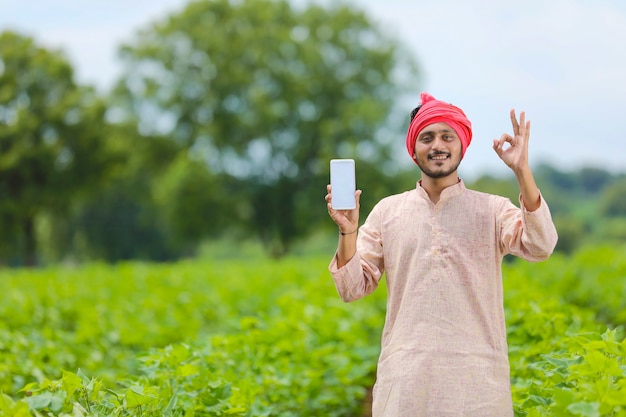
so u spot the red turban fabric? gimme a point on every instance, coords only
(436, 111)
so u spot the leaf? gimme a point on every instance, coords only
(57, 401)
(21, 410)
(6, 403)
(585, 409)
(534, 400)
(30, 387)
(595, 345)
(13, 409)
(82, 376)
(71, 382)
(39, 402)
(597, 361)
(186, 370)
(171, 404)
(616, 397)
(562, 399)
(135, 397)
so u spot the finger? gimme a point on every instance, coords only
(514, 122)
(503, 139)
(497, 146)
(328, 188)
(522, 123)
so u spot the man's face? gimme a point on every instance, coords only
(438, 150)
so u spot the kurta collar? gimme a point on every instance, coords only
(447, 193)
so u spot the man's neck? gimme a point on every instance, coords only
(435, 186)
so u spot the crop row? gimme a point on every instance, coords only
(271, 338)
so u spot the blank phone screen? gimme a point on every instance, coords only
(343, 183)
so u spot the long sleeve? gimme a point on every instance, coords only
(530, 235)
(361, 275)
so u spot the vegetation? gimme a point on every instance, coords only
(257, 337)
(216, 132)
(52, 148)
(244, 337)
(585, 204)
(223, 129)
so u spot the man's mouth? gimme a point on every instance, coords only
(439, 156)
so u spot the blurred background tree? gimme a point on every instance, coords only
(613, 201)
(264, 94)
(220, 128)
(587, 204)
(52, 147)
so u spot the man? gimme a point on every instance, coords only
(444, 350)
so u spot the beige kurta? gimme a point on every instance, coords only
(444, 350)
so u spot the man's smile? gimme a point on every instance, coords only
(439, 156)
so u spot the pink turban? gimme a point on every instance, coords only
(436, 111)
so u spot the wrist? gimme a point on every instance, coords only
(522, 171)
(342, 233)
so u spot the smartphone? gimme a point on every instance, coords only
(343, 184)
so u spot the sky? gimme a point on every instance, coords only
(561, 61)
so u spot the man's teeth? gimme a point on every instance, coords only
(439, 157)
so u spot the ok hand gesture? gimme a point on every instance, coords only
(515, 156)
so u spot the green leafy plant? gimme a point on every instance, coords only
(265, 338)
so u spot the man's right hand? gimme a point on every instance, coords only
(346, 220)
(348, 223)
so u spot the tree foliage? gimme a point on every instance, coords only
(587, 205)
(265, 94)
(51, 142)
(613, 200)
(223, 123)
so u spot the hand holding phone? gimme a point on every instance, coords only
(343, 184)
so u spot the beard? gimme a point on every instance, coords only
(439, 172)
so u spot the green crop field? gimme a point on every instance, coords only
(260, 337)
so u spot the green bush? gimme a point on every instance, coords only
(256, 337)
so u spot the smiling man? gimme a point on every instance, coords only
(444, 349)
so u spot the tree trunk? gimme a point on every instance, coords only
(30, 245)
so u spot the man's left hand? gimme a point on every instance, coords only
(515, 156)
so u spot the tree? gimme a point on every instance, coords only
(613, 199)
(124, 221)
(193, 202)
(505, 186)
(594, 180)
(265, 94)
(50, 137)
(549, 176)
(572, 232)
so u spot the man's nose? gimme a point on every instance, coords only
(438, 143)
